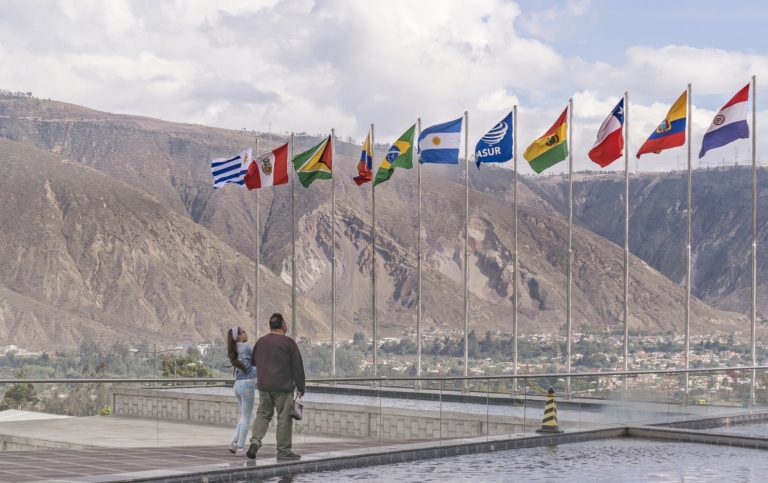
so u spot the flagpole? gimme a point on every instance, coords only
(333, 254)
(688, 247)
(258, 250)
(570, 248)
(516, 275)
(753, 301)
(417, 384)
(626, 233)
(373, 253)
(294, 329)
(466, 251)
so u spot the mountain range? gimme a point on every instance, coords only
(111, 230)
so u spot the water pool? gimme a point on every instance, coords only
(627, 460)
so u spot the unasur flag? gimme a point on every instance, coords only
(496, 145)
(231, 170)
(610, 140)
(269, 169)
(671, 132)
(729, 124)
(365, 166)
(440, 143)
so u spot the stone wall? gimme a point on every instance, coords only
(319, 418)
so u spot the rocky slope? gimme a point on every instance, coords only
(721, 224)
(83, 255)
(167, 166)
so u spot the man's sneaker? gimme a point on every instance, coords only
(240, 452)
(252, 450)
(289, 457)
(233, 447)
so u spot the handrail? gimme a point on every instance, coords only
(386, 378)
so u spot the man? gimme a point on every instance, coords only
(278, 360)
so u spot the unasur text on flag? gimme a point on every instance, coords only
(729, 124)
(496, 145)
(610, 140)
(440, 143)
(269, 169)
(231, 170)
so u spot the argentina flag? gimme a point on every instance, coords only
(231, 170)
(496, 145)
(440, 143)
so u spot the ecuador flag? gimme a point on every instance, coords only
(314, 163)
(551, 148)
(671, 132)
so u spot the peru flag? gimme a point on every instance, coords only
(610, 141)
(269, 169)
(729, 124)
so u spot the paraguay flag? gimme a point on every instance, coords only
(610, 140)
(729, 124)
(671, 132)
(365, 166)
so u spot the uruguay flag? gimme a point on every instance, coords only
(496, 145)
(729, 124)
(440, 143)
(231, 170)
(610, 142)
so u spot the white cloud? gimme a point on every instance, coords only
(310, 65)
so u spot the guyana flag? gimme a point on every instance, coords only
(315, 163)
(551, 148)
(400, 155)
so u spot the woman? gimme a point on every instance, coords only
(239, 354)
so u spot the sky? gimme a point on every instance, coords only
(312, 65)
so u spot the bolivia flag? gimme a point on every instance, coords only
(315, 163)
(551, 148)
(400, 155)
(671, 132)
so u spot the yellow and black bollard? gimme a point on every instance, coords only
(549, 424)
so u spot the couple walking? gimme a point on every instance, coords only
(281, 370)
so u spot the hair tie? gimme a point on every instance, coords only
(235, 333)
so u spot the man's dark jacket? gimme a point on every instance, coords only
(278, 364)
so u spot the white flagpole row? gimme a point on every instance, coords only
(257, 257)
(466, 251)
(688, 244)
(294, 328)
(753, 301)
(373, 254)
(517, 272)
(570, 247)
(626, 232)
(417, 384)
(333, 253)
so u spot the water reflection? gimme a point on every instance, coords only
(623, 460)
